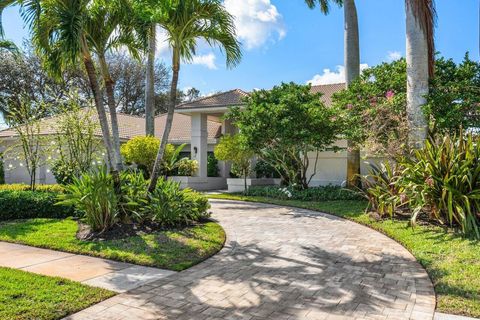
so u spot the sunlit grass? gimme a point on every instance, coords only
(174, 250)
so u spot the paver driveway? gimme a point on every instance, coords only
(285, 263)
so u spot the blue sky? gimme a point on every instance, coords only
(285, 41)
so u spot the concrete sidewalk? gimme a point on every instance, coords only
(97, 272)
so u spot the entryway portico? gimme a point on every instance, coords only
(201, 111)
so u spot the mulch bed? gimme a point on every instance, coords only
(125, 230)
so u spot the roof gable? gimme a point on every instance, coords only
(230, 98)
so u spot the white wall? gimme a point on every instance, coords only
(332, 166)
(19, 174)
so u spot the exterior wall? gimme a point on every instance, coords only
(19, 174)
(331, 169)
(332, 166)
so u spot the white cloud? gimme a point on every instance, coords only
(329, 77)
(163, 47)
(207, 60)
(394, 55)
(257, 21)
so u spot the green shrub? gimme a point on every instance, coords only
(51, 188)
(18, 204)
(134, 194)
(382, 189)
(93, 195)
(212, 166)
(325, 193)
(443, 180)
(264, 170)
(187, 167)
(170, 206)
(64, 172)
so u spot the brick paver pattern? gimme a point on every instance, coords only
(285, 263)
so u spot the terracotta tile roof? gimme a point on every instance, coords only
(132, 126)
(223, 99)
(235, 97)
(327, 91)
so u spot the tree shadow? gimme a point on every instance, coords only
(250, 280)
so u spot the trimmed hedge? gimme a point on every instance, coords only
(326, 193)
(53, 188)
(32, 204)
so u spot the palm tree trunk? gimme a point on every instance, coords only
(417, 77)
(352, 72)
(168, 123)
(109, 84)
(102, 117)
(150, 84)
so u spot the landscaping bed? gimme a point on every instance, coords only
(452, 261)
(175, 249)
(25, 295)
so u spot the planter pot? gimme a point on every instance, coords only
(238, 184)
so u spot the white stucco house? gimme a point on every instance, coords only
(200, 125)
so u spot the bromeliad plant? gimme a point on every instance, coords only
(443, 180)
(382, 189)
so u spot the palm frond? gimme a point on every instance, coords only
(7, 45)
(323, 4)
(187, 21)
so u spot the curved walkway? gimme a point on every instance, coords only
(285, 263)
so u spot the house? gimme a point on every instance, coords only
(199, 124)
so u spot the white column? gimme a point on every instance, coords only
(199, 142)
(225, 167)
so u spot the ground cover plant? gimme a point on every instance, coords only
(25, 295)
(452, 261)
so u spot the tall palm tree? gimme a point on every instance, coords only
(150, 81)
(352, 70)
(61, 37)
(109, 28)
(149, 13)
(185, 22)
(421, 16)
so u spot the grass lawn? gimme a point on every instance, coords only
(452, 262)
(173, 250)
(25, 295)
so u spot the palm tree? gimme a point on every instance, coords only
(61, 36)
(352, 71)
(185, 22)
(150, 82)
(109, 27)
(421, 16)
(149, 13)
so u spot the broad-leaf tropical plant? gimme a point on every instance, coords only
(352, 70)
(185, 23)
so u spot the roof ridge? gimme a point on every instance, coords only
(328, 84)
(210, 96)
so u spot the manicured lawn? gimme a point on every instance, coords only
(452, 262)
(174, 250)
(25, 295)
